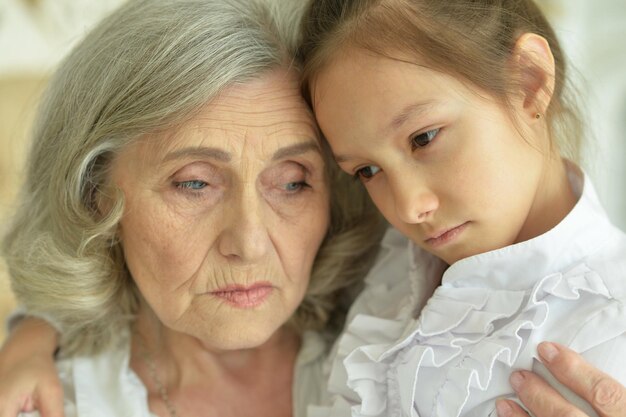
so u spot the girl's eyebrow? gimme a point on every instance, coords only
(411, 110)
(296, 149)
(342, 158)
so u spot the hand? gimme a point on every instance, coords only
(28, 375)
(28, 385)
(603, 393)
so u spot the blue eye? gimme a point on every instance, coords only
(423, 139)
(367, 172)
(191, 185)
(292, 187)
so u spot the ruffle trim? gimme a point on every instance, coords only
(382, 352)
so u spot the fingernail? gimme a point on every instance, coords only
(516, 380)
(504, 408)
(547, 351)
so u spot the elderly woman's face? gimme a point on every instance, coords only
(225, 215)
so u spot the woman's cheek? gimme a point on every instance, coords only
(187, 203)
(299, 223)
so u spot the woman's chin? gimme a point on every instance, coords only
(221, 327)
(235, 336)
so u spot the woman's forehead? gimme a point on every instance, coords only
(265, 114)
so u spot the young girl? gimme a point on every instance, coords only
(450, 128)
(454, 116)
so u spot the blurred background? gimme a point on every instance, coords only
(36, 34)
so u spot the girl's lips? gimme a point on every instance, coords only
(447, 236)
(241, 296)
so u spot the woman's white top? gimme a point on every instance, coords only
(104, 385)
(486, 318)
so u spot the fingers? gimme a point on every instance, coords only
(603, 393)
(508, 408)
(46, 398)
(540, 398)
(50, 402)
(9, 409)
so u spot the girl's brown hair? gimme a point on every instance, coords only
(469, 39)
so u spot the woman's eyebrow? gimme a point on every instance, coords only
(296, 149)
(223, 156)
(204, 152)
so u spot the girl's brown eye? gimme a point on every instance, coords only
(367, 172)
(423, 139)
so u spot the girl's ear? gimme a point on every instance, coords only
(534, 63)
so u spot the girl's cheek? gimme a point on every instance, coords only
(381, 196)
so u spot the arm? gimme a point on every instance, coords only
(28, 376)
(606, 395)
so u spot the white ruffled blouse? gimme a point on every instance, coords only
(484, 320)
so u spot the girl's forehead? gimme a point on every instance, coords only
(360, 75)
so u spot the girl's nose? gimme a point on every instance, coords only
(414, 201)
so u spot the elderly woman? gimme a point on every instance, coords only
(182, 227)
(176, 222)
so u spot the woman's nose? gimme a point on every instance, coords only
(244, 234)
(414, 201)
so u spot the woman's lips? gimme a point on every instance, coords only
(447, 236)
(241, 296)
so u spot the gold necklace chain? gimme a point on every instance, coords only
(147, 357)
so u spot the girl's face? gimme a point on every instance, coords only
(443, 162)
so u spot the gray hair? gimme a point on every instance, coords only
(151, 66)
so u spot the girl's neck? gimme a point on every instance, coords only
(553, 201)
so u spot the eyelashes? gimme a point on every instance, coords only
(366, 172)
(288, 180)
(423, 139)
(192, 185)
(196, 188)
(294, 187)
(418, 141)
